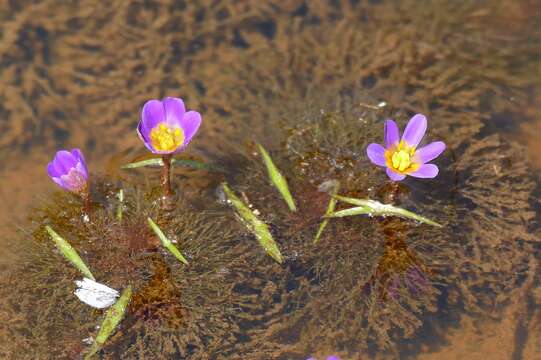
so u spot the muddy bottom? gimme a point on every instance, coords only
(304, 79)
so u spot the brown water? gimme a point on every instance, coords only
(76, 75)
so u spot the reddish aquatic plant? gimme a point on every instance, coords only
(401, 156)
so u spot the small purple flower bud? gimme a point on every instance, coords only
(69, 171)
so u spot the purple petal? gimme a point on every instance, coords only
(52, 171)
(81, 164)
(153, 113)
(63, 162)
(428, 171)
(190, 124)
(82, 170)
(144, 134)
(376, 154)
(78, 154)
(174, 110)
(415, 130)
(429, 152)
(391, 133)
(59, 182)
(394, 175)
(333, 357)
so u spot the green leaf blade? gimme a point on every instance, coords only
(113, 317)
(335, 187)
(358, 210)
(277, 179)
(158, 162)
(168, 244)
(256, 226)
(375, 208)
(69, 253)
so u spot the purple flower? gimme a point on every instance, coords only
(401, 156)
(165, 126)
(69, 171)
(330, 357)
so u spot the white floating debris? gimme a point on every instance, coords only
(88, 340)
(95, 294)
(382, 104)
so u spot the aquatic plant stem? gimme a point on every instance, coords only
(87, 202)
(393, 191)
(168, 204)
(166, 175)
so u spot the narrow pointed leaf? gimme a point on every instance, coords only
(330, 210)
(69, 252)
(358, 210)
(157, 162)
(168, 244)
(113, 316)
(256, 226)
(375, 208)
(277, 179)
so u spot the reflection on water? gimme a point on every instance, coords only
(77, 75)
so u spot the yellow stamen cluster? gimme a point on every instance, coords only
(400, 158)
(164, 138)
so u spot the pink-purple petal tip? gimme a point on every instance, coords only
(426, 171)
(391, 134)
(376, 154)
(415, 130)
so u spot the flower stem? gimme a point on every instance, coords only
(87, 202)
(166, 175)
(167, 204)
(394, 191)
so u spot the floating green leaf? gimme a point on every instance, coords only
(158, 162)
(277, 179)
(113, 316)
(256, 226)
(334, 186)
(375, 208)
(166, 242)
(69, 252)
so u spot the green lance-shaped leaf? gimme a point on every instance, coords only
(375, 208)
(166, 242)
(277, 179)
(333, 187)
(113, 316)
(158, 162)
(256, 226)
(69, 253)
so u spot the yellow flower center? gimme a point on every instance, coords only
(400, 158)
(164, 138)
